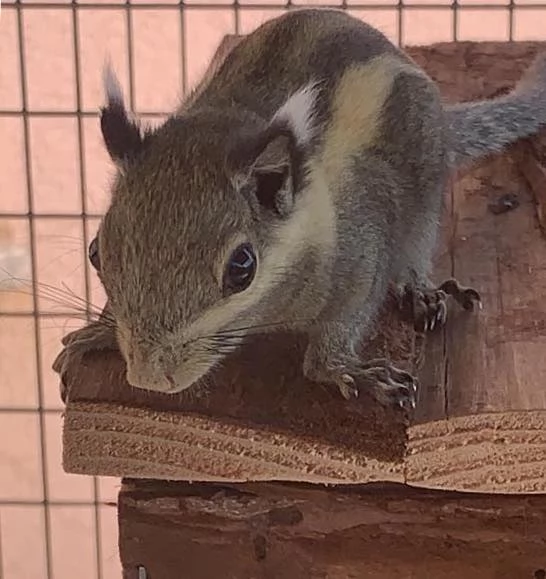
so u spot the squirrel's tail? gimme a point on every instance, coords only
(482, 127)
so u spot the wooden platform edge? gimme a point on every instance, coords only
(123, 441)
(493, 452)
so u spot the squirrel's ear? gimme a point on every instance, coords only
(122, 136)
(278, 152)
(272, 174)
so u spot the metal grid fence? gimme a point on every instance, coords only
(27, 112)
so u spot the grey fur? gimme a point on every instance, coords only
(481, 128)
(197, 173)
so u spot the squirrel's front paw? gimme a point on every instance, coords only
(387, 384)
(76, 344)
(429, 306)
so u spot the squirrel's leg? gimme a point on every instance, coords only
(97, 335)
(361, 270)
(425, 301)
(415, 145)
(332, 355)
(428, 304)
(331, 358)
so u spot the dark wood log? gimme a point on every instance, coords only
(298, 531)
(480, 423)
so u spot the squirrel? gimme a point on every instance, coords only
(291, 192)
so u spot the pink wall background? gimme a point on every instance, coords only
(56, 188)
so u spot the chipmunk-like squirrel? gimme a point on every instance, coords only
(303, 180)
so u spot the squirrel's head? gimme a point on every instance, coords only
(198, 231)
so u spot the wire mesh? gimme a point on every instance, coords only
(398, 19)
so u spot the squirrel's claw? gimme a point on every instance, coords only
(465, 296)
(429, 306)
(388, 385)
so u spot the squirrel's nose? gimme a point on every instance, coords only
(144, 377)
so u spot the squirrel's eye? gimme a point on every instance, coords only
(93, 253)
(240, 269)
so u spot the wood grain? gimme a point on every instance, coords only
(285, 531)
(531, 161)
(480, 424)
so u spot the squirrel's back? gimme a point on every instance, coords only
(286, 53)
(353, 71)
(289, 51)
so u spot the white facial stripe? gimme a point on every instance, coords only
(298, 112)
